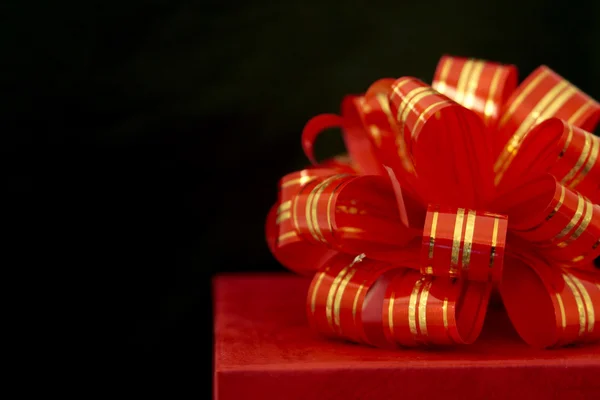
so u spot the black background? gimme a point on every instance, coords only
(142, 140)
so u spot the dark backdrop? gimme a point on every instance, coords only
(143, 139)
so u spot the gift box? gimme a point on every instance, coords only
(264, 349)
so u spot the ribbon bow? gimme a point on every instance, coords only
(450, 192)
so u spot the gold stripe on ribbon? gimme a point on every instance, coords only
(548, 105)
(283, 216)
(445, 315)
(421, 119)
(286, 236)
(493, 247)
(400, 143)
(384, 104)
(580, 112)
(402, 107)
(375, 134)
(589, 212)
(428, 270)
(473, 83)
(441, 85)
(295, 214)
(303, 180)
(412, 308)
(338, 297)
(575, 219)
(552, 96)
(458, 225)
(313, 298)
(579, 301)
(434, 222)
(396, 88)
(350, 229)
(423, 308)
(589, 305)
(308, 217)
(469, 230)
(589, 164)
(391, 313)
(331, 295)
(567, 142)
(355, 302)
(284, 206)
(559, 204)
(489, 104)
(317, 191)
(519, 99)
(463, 80)
(410, 105)
(556, 105)
(540, 114)
(366, 107)
(330, 203)
(582, 157)
(336, 291)
(563, 315)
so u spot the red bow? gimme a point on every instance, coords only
(450, 191)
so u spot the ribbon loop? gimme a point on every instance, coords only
(282, 237)
(371, 302)
(342, 210)
(313, 128)
(551, 307)
(427, 310)
(478, 85)
(543, 95)
(567, 229)
(578, 165)
(447, 143)
(346, 296)
(389, 143)
(534, 157)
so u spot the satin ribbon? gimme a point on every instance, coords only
(450, 192)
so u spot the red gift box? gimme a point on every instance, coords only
(264, 349)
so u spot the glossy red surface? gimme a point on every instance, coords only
(264, 349)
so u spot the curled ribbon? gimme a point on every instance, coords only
(448, 193)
